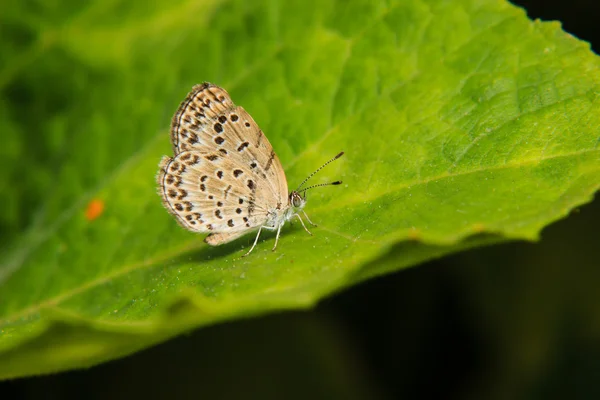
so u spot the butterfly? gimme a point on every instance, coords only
(225, 179)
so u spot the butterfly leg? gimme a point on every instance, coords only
(302, 222)
(254, 244)
(308, 219)
(277, 237)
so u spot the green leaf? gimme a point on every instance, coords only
(464, 124)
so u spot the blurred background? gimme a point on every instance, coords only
(514, 321)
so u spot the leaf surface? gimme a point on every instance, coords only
(464, 124)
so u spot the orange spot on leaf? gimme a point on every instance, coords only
(414, 234)
(478, 227)
(94, 209)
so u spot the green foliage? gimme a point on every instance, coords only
(463, 123)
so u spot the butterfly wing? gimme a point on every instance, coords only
(207, 120)
(245, 144)
(225, 178)
(215, 239)
(208, 193)
(202, 105)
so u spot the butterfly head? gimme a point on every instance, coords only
(297, 201)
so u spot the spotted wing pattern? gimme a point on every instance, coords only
(205, 103)
(208, 193)
(225, 177)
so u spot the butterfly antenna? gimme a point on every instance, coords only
(321, 184)
(318, 169)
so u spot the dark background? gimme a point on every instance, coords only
(515, 321)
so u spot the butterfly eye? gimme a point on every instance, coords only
(296, 199)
